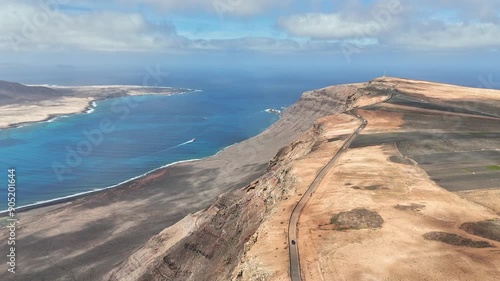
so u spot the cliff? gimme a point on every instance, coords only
(215, 239)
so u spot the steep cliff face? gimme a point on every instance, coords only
(215, 239)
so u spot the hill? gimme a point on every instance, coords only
(11, 92)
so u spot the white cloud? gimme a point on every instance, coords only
(29, 26)
(325, 26)
(352, 21)
(450, 36)
(32, 27)
(426, 24)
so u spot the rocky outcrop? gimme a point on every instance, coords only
(489, 229)
(356, 219)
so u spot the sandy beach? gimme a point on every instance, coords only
(14, 115)
(73, 100)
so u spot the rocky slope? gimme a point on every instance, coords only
(216, 238)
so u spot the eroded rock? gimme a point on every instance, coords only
(356, 219)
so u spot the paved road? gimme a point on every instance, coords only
(293, 250)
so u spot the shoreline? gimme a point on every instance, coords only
(91, 105)
(52, 117)
(72, 197)
(69, 198)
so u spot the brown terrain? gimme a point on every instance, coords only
(415, 197)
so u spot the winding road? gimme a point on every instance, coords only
(295, 274)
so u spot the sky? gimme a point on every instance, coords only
(287, 33)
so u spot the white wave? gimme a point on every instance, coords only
(91, 107)
(175, 146)
(187, 142)
(273, 111)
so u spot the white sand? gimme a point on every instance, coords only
(39, 111)
(76, 101)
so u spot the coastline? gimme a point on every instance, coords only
(72, 197)
(45, 116)
(52, 117)
(90, 103)
(69, 198)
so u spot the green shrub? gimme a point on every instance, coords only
(494, 168)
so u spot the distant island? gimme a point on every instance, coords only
(21, 104)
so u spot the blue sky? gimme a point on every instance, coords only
(76, 32)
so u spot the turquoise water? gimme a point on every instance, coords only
(126, 137)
